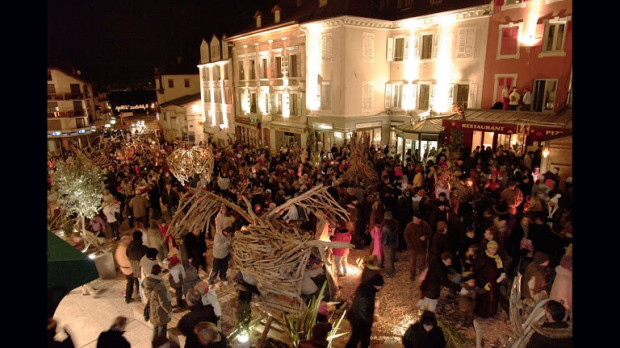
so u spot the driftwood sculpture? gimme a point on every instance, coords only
(361, 169)
(272, 251)
(184, 162)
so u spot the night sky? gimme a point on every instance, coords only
(114, 41)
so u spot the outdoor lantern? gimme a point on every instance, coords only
(546, 153)
(243, 337)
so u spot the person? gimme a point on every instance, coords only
(51, 333)
(209, 336)
(196, 249)
(488, 271)
(308, 286)
(148, 261)
(555, 332)
(467, 300)
(425, 333)
(222, 219)
(527, 100)
(113, 338)
(110, 209)
(417, 236)
(533, 283)
(512, 196)
(139, 206)
(221, 255)
(505, 99)
(198, 312)
(159, 301)
(562, 288)
(176, 278)
(191, 279)
(135, 251)
(436, 277)
(342, 235)
(120, 255)
(154, 197)
(168, 242)
(389, 240)
(170, 198)
(209, 297)
(361, 315)
(376, 246)
(514, 99)
(320, 331)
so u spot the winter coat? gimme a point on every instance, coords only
(551, 335)
(513, 198)
(440, 244)
(221, 246)
(363, 308)
(534, 274)
(191, 279)
(562, 288)
(413, 233)
(192, 246)
(177, 276)
(343, 238)
(436, 277)
(121, 258)
(159, 300)
(389, 233)
(417, 337)
(139, 205)
(197, 313)
(135, 252)
(486, 272)
(146, 265)
(112, 339)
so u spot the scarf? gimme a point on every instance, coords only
(498, 260)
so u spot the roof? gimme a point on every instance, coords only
(182, 100)
(428, 125)
(562, 119)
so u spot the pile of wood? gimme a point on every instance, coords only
(272, 251)
(360, 169)
(185, 162)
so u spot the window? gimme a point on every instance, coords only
(216, 73)
(436, 2)
(508, 46)
(399, 48)
(326, 47)
(52, 106)
(165, 116)
(554, 37)
(51, 89)
(215, 51)
(278, 67)
(294, 104)
(170, 83)
(264, 68)
(293, 65)
(252, 70)
(462, 95)
(253, 102)
(397, 100)
(217, 92)
(326, 96)
(227, 96)
(544, 95)
(424, 97)
(465, 43)
(205, 76)
(49, 75)
(368, 48)
(266, 101)
(186, 83)
(208, 95)
(226, 74)
(241, 71)
(367, 96)
(427, 46)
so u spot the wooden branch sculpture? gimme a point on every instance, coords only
(184, 163)
(361, 169)
(272, 251)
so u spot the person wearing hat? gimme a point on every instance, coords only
(342, 235)
(533, 283)
(389, 241)
(488, 271)
(135, 251)
(436, 278)
(176, 278)
(361, 314)
(562, 288)
(417, 235)
(425, 333)
(320, 331)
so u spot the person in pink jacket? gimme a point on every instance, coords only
(340, 254)
(377, 247)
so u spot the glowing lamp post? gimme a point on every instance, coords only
(545, 161)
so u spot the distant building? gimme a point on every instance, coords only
(176, 80)
(70, 110)
(180, 119)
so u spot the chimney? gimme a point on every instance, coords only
(276, 13)
(258, 15)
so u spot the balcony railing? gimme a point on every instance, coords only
(66, 96)
(295, 119)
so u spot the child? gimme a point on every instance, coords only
(467, 301)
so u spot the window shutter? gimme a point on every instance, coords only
(298, 62)
(390, 49)
(470, 43)
(407, 47)
(509, 40)
(371, 48)
(273, 68)
(329, 47)
(388, 95)
(414, 94)
(451, 93)
(433, 93)
(461, 42)
(416, 47)
(435, 44)
(473, 93)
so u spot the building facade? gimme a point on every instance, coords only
(530, 46)
(181, 119)
(176, 80)
(216, 90)
(70, 110)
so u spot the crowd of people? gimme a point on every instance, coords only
(470, 220)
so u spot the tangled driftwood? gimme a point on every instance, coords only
(272, 251)
(184, 163)
(361, 169)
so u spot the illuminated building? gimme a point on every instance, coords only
(70, 110)
(180, 119)
(215, 71)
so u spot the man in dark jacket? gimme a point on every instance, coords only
(196, 248)
(425, 333)
(417, 236)
(170, 197)
(113, 338)
(361, 315)
(554, 333)
(436, 277)
(135, 251)
(197, 313)
(389, 239)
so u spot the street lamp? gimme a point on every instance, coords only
(545, 161)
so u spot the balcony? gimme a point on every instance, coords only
(66, 96)
(293, 119)
(56, 114)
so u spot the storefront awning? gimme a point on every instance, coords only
(429, 125)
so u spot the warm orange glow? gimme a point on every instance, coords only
(527, 36)
(313, 64)
(545, 153)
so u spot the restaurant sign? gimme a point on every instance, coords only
(481, 126)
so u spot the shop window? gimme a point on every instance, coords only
(508, 46)
(487, 139)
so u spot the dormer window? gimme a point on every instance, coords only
(276, 13)
(258, 15)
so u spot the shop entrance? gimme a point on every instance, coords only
(544, 95)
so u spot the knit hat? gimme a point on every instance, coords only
(174, 260)
(492, 244)
(163, 221)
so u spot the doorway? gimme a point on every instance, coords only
(501, 81)
(544, 95)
